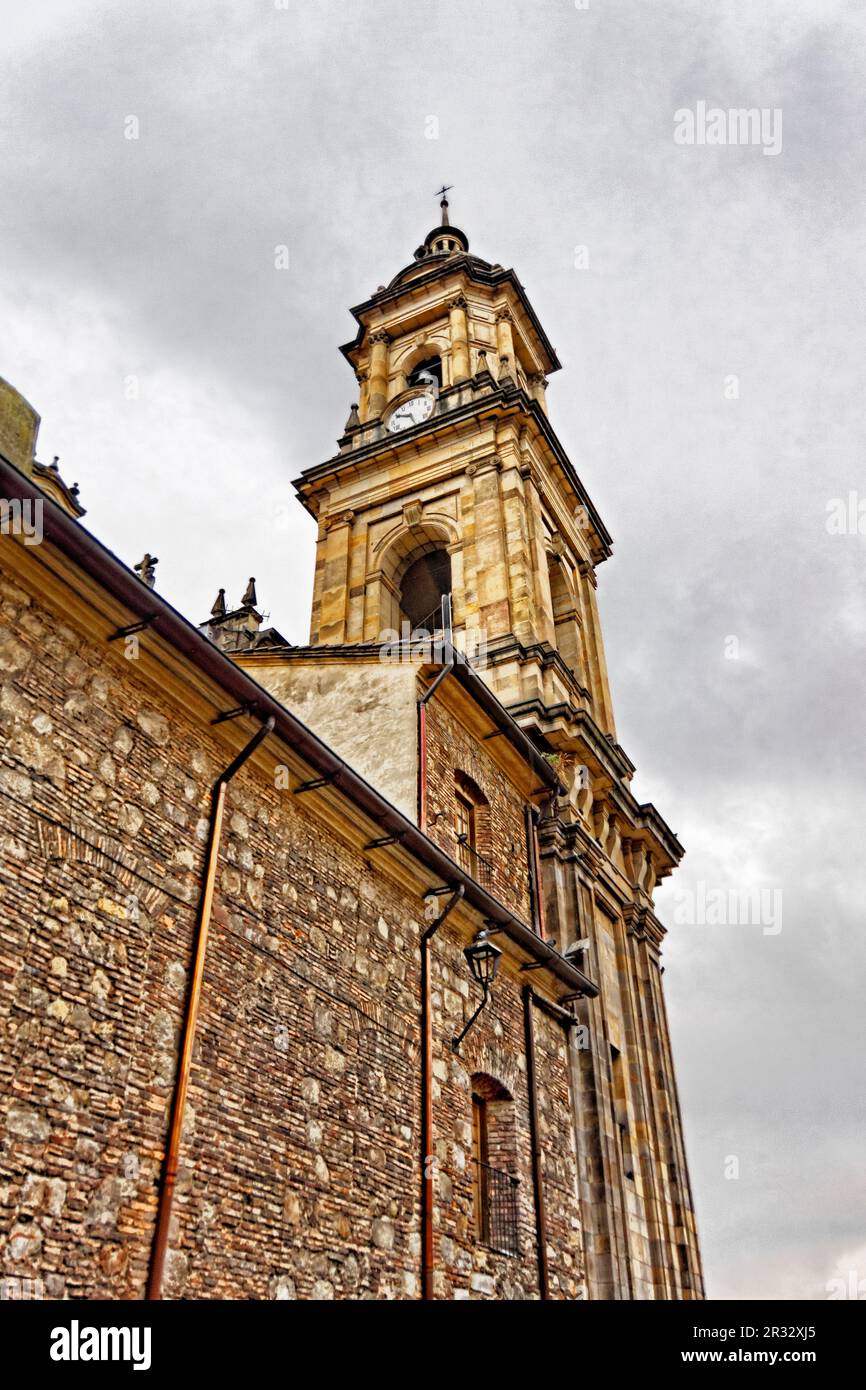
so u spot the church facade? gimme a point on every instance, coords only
(332, 971)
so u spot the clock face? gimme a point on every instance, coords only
(412, 412)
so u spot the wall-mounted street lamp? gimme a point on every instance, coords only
(482, 957)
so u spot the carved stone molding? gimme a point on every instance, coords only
(587, 571)
(493, 463)
(634, 917)
(556, 545)
(529, 472)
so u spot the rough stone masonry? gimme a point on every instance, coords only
(300, 1172)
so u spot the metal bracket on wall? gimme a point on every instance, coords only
(133, 627)
(383, 841)
(315, 784)
(234, 713)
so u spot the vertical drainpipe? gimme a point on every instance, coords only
(422, 766)
(537, 1190)
(529, 831)
(428, 1167)
(168, 1178)
(539, 885)
(536, 892)
(428, 1175)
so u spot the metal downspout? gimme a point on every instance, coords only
(537, 1191)
(168, 1176)
(428, 1166)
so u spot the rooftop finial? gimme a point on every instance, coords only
(441, 192)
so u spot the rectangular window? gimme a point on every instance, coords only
(464, 823)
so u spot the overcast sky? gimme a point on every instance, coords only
(149, 264)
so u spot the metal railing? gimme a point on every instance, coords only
(498, 1223)
(437, 624)
(474, 864)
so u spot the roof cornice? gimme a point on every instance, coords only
(476, 271)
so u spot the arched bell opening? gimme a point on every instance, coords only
(425, 582)
(426, 373)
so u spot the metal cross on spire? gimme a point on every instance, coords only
(441, 192)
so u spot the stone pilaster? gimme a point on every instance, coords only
(335, 574)
(460, 368)
(378, 386)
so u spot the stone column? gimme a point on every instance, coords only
(486, 567)
(543, 601)
(538, 387)
(378, 388)
(598, 666)
(688, 1281)
(517, 539)
(648, 1153)
(363, 395)
(335, 578)
(459, 339)
(505, 340)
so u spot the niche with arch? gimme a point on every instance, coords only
(565, 613)
(494, 1164)
(472, 828)
(414, 572)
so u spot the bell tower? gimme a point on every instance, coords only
(449, 479)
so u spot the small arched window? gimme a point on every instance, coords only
(427, 373)
(494, 1162)
(472, 829)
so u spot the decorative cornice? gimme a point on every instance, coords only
(492, 276)
(511, 401)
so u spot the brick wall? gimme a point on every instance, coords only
(451, 750)
(300, 1163)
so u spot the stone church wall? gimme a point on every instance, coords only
(450, 750)
(300, 1166)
